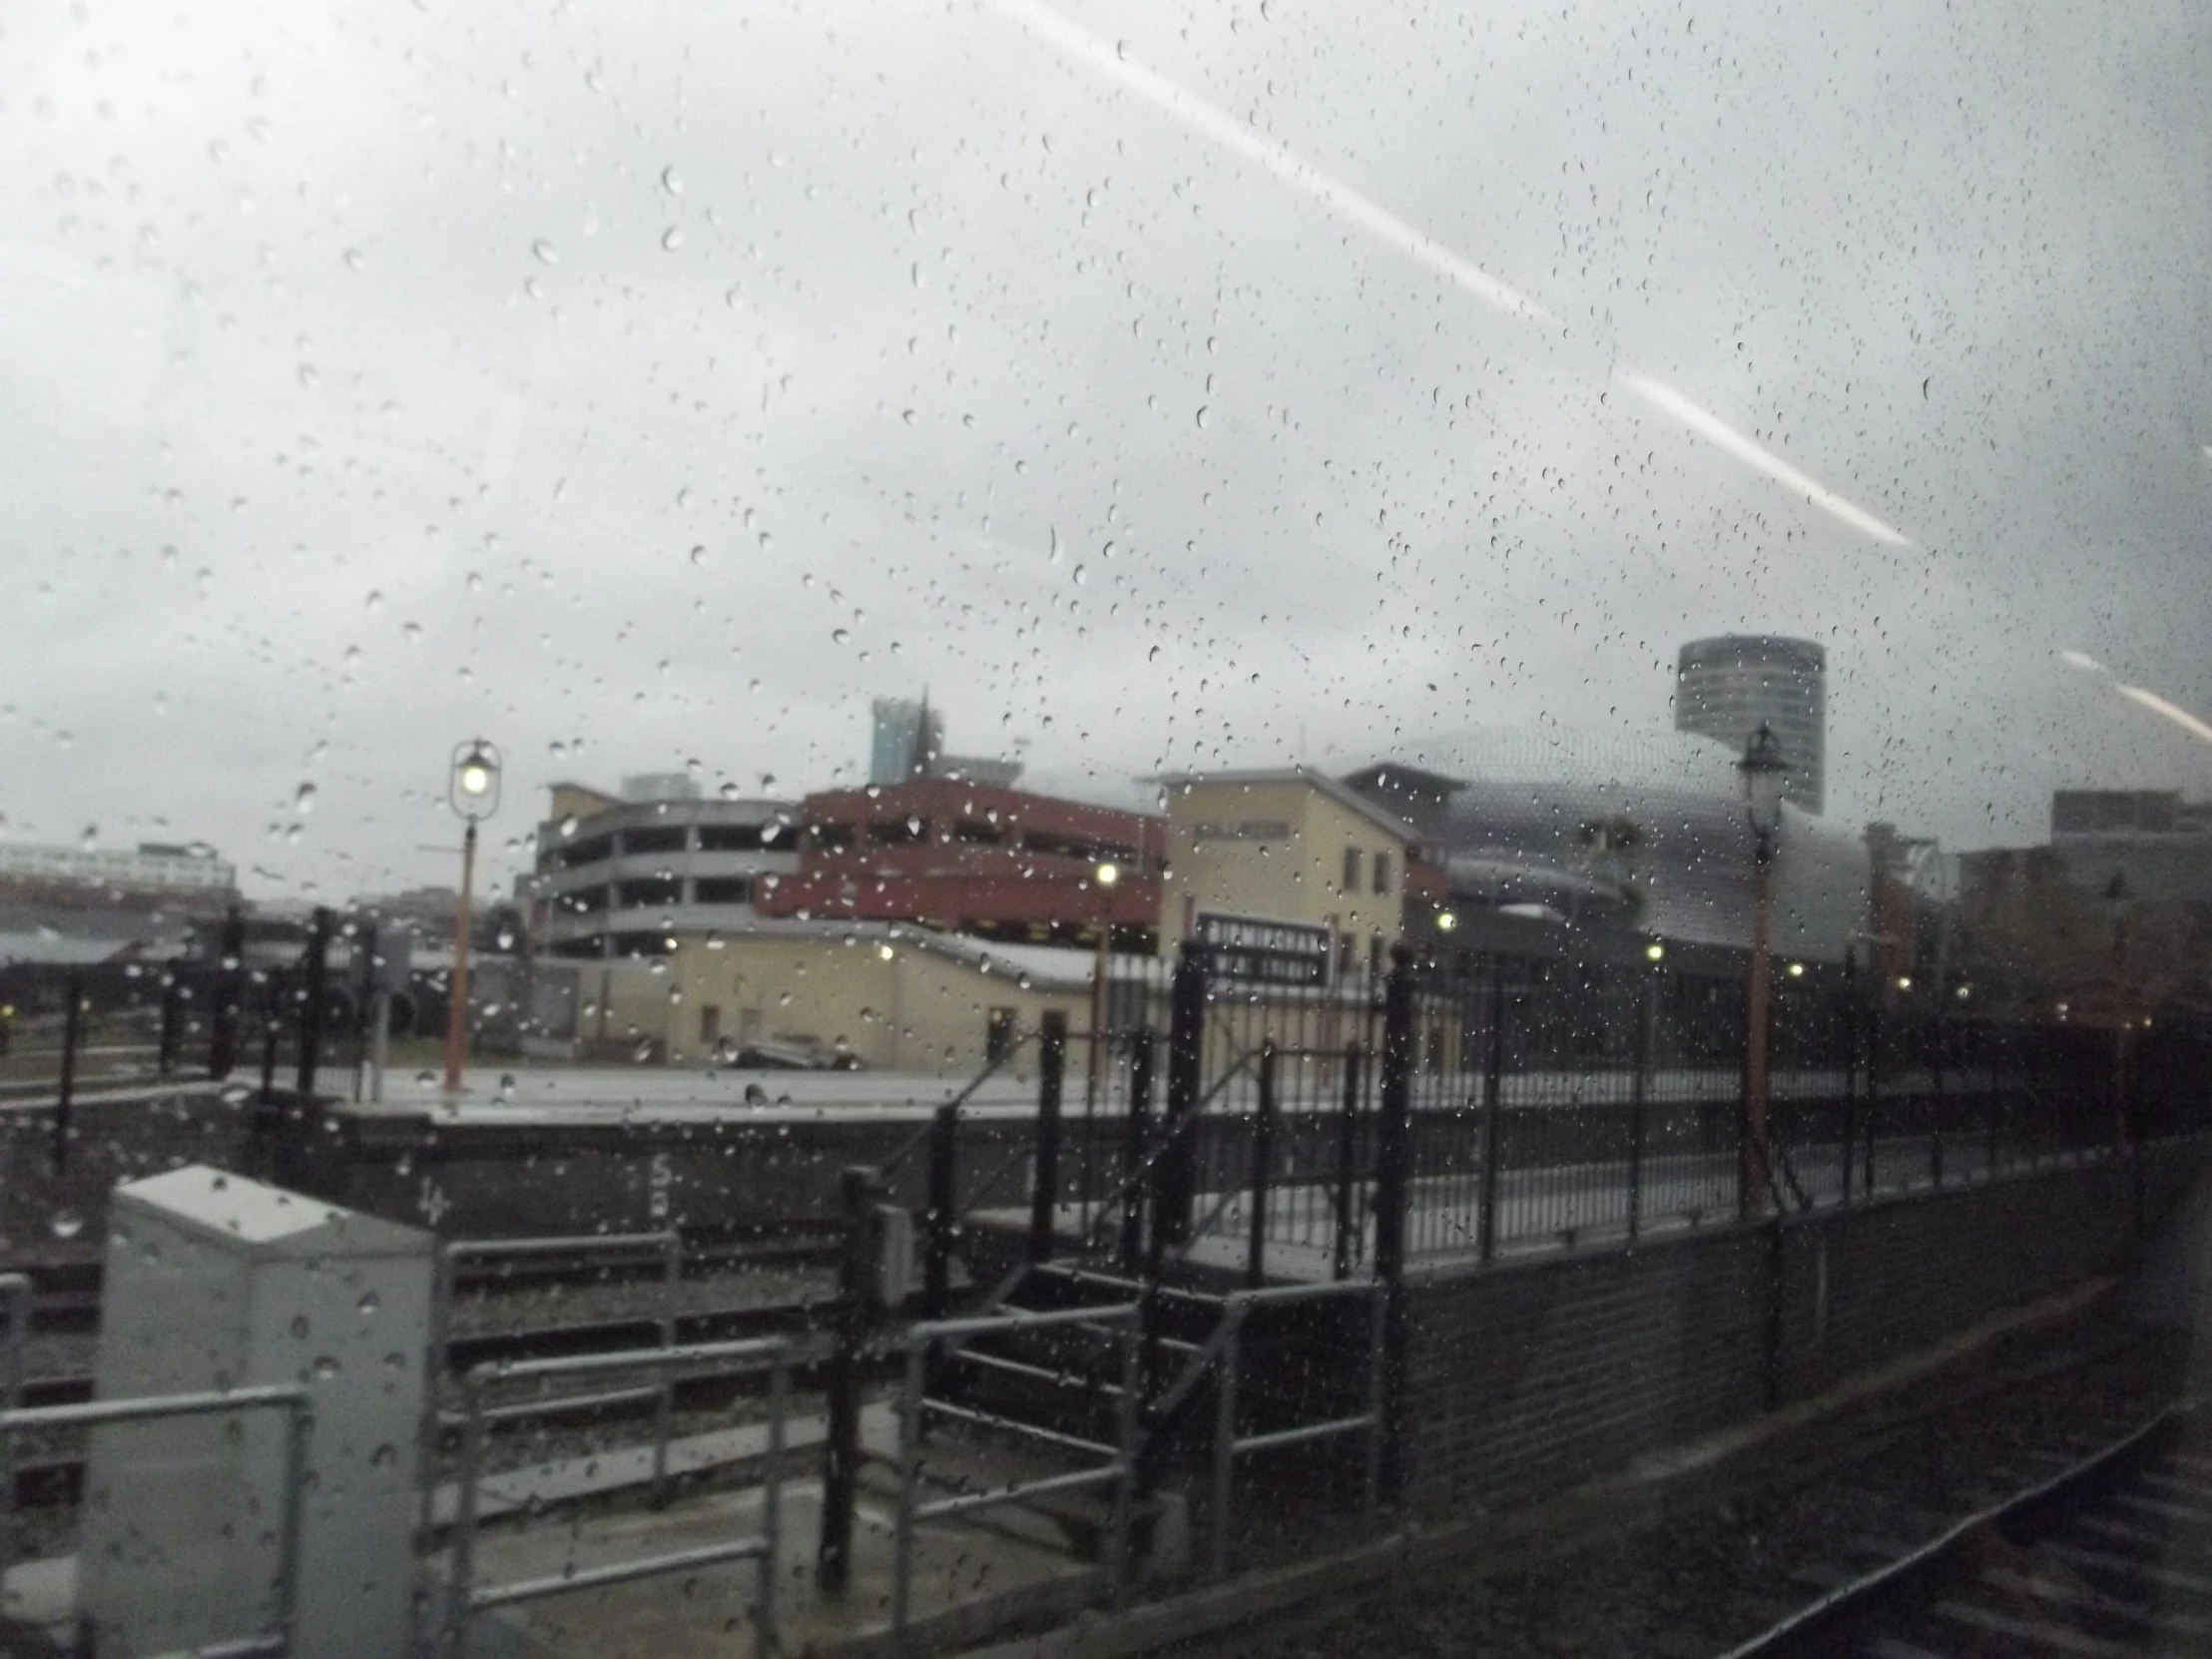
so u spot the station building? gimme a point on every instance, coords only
(920, 985)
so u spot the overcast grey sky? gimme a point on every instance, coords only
(641, 384)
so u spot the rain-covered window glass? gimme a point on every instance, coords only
(894, 827)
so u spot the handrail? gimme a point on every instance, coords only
(667, 1241)
(1134, 1182)
(906, 1148)
(298, 1402)
(921, 1341)
(464, 1598)
(1229, 1446)
(15, 1295)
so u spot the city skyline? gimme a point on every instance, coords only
(610, 400)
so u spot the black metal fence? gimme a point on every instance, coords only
(1540, 1104)
(70, 1034)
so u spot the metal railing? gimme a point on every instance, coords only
(1229, 1446)
(465, 1597)
(15, 1294)
(435, 1418)
(921, 1342)
(293, 1398)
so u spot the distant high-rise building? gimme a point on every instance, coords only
(1728, 687)
(908, 743)
(909, 736)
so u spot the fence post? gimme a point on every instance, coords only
(840, 1461)
(1988, 1040)
(1133, 1148)
(273, 1008)
(1263, 1167)
(313, 998)
(1647, 1046)
(942, 1214)
(1493, 1116)
(1851, 1065)
(73, 1033)
(2119, 1089)
(1347, 1148)
(1044, 1194)
(1869, 1032)
(1939, 1103)
(230, 995)
(1392, 1156)
(173, 1008)
(1176, 1170)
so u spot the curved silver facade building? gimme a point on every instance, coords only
(1728, 685)
(1641, 831)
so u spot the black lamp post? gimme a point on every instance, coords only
(473, 793)
(1763, 770)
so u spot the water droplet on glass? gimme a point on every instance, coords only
(353, 259)
(299, 1328)
(672, 238)
(325, 1368)
(840, 635)
(1205, 417)
(374, 601)
(699, 557)
(369, 1303)
(546, 252)
(303, 800)
(672, 181)
(66, 1224)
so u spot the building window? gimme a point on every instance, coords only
(652, 840)
(1351, 869)
(897, 832)
(833, 838)
(721, 889)
(729, 837)
(1382, 872)
(579, 854)
(976, 832)
(709, 1024)
(654, 889)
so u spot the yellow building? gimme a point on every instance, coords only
(1290, 846)
(893, 997)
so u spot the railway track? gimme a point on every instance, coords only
(2108, 1557)
(65, 1294)
(66, 1301)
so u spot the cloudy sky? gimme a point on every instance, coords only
(1162, 385)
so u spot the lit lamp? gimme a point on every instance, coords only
(1763, 770)
(473, 793)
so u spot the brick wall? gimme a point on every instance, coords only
(1528, 1377)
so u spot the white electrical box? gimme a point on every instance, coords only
(216, 1282)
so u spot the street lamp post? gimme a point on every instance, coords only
(473, 793)
(1763, 770)
(1105, 876)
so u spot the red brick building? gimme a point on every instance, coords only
(999, 863)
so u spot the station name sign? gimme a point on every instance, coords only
(1242, 829)
(1265, 952)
